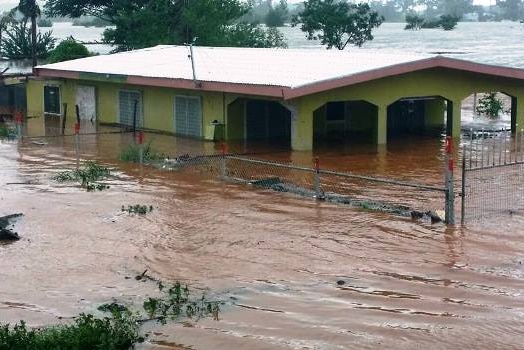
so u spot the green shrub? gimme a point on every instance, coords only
(131, 153)
(68, 50)
(414, 22)
(16, 43)
(118, 332)
(449, 22)
(431, 23)
(44, 23)
(7, 133)
(490, 106)
(88, 176)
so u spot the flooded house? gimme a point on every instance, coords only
(12, 95)
(299, 96)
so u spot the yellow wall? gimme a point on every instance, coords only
(158, 102)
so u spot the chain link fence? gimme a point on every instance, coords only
(492, 175)
(87, 141)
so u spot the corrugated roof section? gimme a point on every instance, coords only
(289, 68)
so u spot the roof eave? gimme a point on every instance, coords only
(185, 84)
(403, 68)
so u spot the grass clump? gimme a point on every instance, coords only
(88, 176)
(118, 332)
(138, 209)
(131, 153)
(177, 303)
(7, 133)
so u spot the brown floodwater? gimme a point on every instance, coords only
(293, 273)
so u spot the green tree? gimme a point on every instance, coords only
(18, 43)
(511, 9)
(30, 9)
(338, 23)
(414, 22)
(449, 22)
(67, 50)
(6, 19)
(146, 23)
(277, 15)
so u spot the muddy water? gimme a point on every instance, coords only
(294, 273)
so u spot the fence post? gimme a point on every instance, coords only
(223, 168)
(450, 195)
(318, 190)
(19, 120)
(77, 143)
(463, 190)
(140, 141)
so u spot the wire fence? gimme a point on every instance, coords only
(394, 196)
(492, 175)
(366, 192)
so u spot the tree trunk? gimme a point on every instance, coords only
(33, 40)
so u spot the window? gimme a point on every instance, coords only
(130, 108)
(188, 116)
(335, 111)
(52, 99)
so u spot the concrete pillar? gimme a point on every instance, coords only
(517, 113)
(382, 125)
(301, 127)
(453, 118)
(435, 111)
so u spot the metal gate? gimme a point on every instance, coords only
(130, 108)
(492, 175)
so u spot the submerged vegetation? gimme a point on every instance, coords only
(131, 153)
(490, 106)
(88, 176)
(119, 331)
(7, 133)
(138, 209)
(416, 22)
(177, 303)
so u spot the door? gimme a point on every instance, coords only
(130, 108)
(188, 116)
(86, 102)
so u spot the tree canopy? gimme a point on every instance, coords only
(67, 50)
(145, 23)
(338, 23)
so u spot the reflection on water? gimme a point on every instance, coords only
(294, 273)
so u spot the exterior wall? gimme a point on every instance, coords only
(451, 85)
(158, 103)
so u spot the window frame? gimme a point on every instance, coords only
(57, 86)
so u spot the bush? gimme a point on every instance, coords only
(132, 153)
(68, 50)
(449, 22)
(88, 176)
(490, 106)
(414, 22)
(431, 23)
(7, 133)
(44, 22)
(90, 22)
(118, 332)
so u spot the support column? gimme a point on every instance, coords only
(301, 127)
(434, 116)
(453, 118)
(382, 125)
(517, 113)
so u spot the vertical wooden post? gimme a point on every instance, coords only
(450, 195)
(64, 118)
